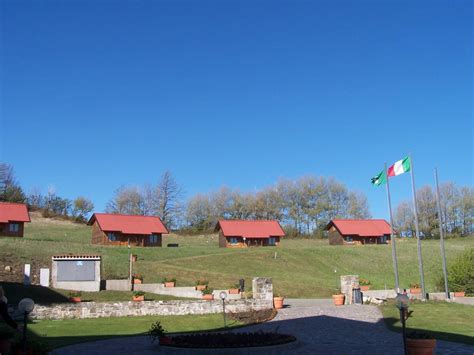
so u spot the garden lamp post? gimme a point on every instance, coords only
(223, 296)
(25, 306)
(402, 302)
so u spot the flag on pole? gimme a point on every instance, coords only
(380, 178)
(400, 167)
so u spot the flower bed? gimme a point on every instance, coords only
(228, 340)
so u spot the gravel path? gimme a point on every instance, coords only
(320, 328)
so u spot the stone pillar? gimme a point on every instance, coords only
(348, 282)
(262, 288)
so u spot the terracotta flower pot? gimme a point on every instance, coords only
(420, 346)
(169, 284)
(234, 291)
(338, 299)
(278, 302)
(415, 290)
(74, 300)
(138, 298)
(459, 294)
(5, 345)
(208, 297)
(137, 281)
(364, 287)
(200, 287)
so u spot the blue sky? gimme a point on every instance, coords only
(97, 94)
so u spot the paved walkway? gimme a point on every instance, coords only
(320, 328)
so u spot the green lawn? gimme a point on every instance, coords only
(61, 333)
(303, 268)
(446, 321)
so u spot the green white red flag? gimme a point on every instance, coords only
(400, 167)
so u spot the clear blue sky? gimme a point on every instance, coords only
(96, 94)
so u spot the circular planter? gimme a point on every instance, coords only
(138, 298)
(415, 290)
(420, 346)
(338, 299)
(137, 281)
(74, 300)
(200, 287)
(234, 291)
(208, 297)
(228, 340)
(364, 287)
(459, 294)
(169, 284)
(278, 302)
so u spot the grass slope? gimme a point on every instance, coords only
(302, 268)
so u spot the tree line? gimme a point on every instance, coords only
(457, 211)
(303, 206)
(49, 204)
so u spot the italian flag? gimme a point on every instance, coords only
(400, 167)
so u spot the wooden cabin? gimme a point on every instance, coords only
(242, 234)
(119, 229)
(358, 231)
(12, 219)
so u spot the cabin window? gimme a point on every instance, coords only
(233, 240)
(14, 227)
(153, 239)
(112, 236)
(272, 241)
(348, 239)
(383, 239)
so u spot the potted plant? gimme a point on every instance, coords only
(459, 291)
(338, 298)
(137, 278)
(75, 296)
(138, 296)
(207, 294)
(157, 332)
(169, 282)
(278, 301)
(234, 290)
(201, 285)
(364, 284)
(420, 343)
(415, 288)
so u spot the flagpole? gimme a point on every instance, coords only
(392, 237)
(441, 235)
(417, 229)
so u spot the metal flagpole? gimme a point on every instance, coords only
(441, 235)
(392, 237)
(417, 229)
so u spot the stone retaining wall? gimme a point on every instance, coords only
(146, 308)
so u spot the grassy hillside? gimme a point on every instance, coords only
(303, 268)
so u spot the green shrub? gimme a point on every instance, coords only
(207, 291)
(156, 331)
(461, 273)
(138, 293)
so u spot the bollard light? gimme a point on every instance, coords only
(402, 302)
(223, 296)
(25, 306)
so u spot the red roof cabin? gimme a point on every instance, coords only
(358, 231)
(12, 219)
(119, 229)
(242, 234)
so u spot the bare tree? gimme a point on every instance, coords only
(10, 190)
(81, 208)
(169, 194)
(126, 200)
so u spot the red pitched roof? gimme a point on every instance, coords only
(129, 224)
(361, 227)
(251, 229)
(13, 212)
